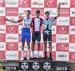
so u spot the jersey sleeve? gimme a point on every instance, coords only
(41, 21)
(53, 19)
(20, 19)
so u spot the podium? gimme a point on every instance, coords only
(36, 65)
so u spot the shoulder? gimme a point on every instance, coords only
(33, 18)
(53, 18)
(41, 19)
(24, 18)
(30, 18)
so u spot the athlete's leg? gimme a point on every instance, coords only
(45, 44)
(33, 43)
(28, 44)
(50, 45)
(22, 50)
(38, 42)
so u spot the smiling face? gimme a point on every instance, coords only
(37, 13)
(28, 13)
(47, 14)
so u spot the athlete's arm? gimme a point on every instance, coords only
(10, 20)
(58, 11)
(31, 24)
(20, 19)
(41, 22)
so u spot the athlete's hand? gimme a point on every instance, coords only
(59, 5)
(25, 24)
(6, 19)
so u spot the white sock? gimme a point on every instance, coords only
(28, 53)
(22, 53)
(38, 54)
(32, 54)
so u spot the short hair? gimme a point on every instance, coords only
(47, 12)
(28, 11)
(38, 11)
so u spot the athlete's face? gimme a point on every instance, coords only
(37, 14)
(28, 14)
(47, 15)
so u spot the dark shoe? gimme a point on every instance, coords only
(34, 58)
(25, 58)
(51, 59)
(45, 57)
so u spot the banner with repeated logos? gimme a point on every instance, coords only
(63, 30)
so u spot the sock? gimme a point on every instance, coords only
(45, 54)
(22, 53)
(38, 54)
(32, 54)
(28, 53)
(50, 55)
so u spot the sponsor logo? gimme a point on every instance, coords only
(72, 56)
(12, 3)
(11, 55)
(2, 3)
(50, 3)
(62, 29)
(64, 12)
(37, 3)
(2, 20)
(53, 29)
(72, 38)
(62, 47)
(2, 11)
(12, 46)
(72, 12)
(25, 3)
(72, 47)
(62, 56)
(12, 29)
(73, 3)
(62, 38)
(73, 20)
(72, 29)
(12, 11)
(2, 29)
(11, 37)
(2, 37)
(2, 55)
(2, 46)
(63, 21)
(64, 3)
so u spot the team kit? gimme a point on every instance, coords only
(35, 23)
